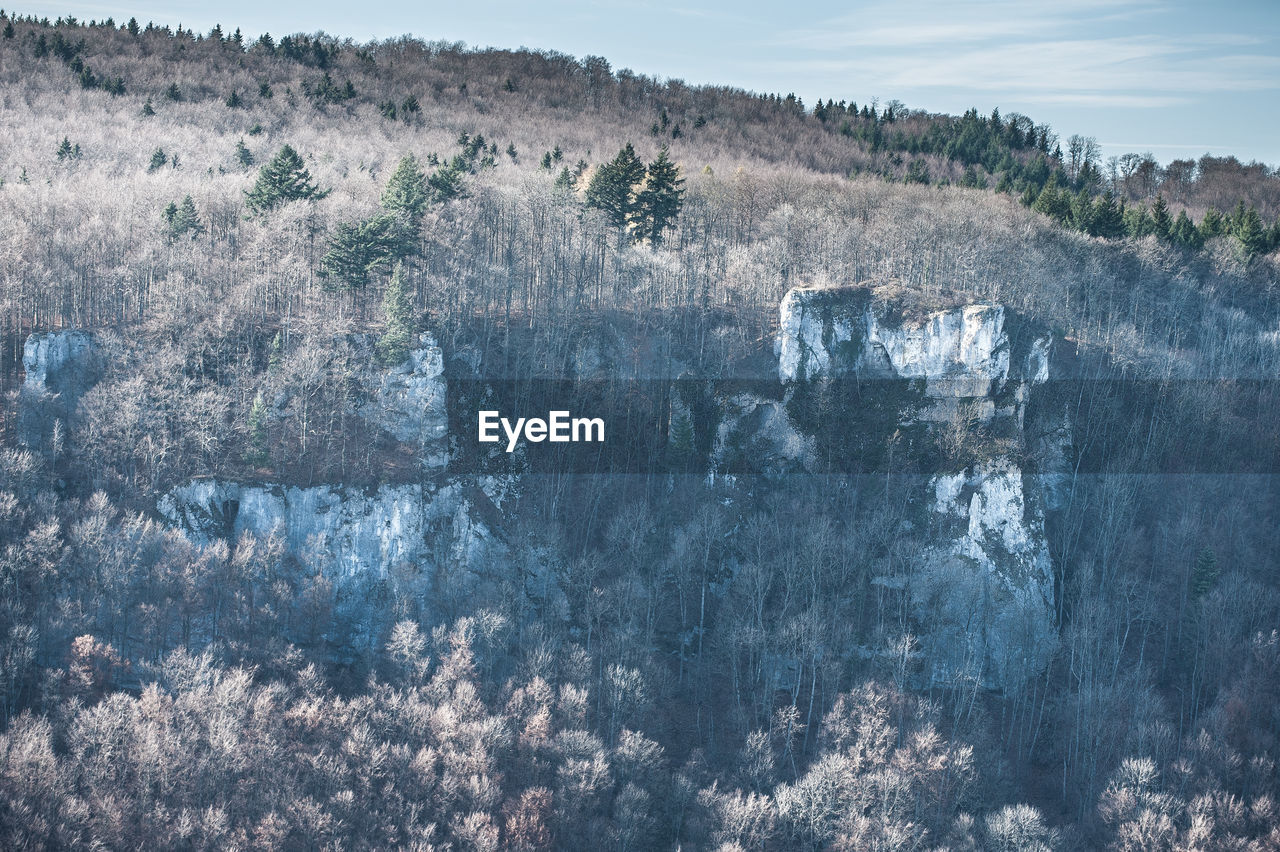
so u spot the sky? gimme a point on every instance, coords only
(1172, 77)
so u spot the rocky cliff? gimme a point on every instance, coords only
(984, 593)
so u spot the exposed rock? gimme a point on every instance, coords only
(346, 531)
(410, 402)
(59, 362)
(984, 593)
(988, 587)
(960, 353)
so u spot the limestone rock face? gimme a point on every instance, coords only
(964, 352)
(348, 532)
(984, 592)
(989, 579)
(58, 362)
(410, 402)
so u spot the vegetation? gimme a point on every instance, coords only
(661, 662)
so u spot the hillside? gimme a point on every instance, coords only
(937, 506)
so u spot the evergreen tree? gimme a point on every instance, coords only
(407, 193)
(397, 303)
(257, 433)
(446, 182)
(1205, 573)
(147, 109)
(8, 29)
(234, 101)
(243, 155)
(1108, 217)
(1082, 211)
(1052, 202)
(611, 187)
(158, 160)
(1160, 218)
(264, 90)
(183, 219)
(283, 179)
(65, 151)
(357, 251)
(173, 93)
(565, 180)
(1250, 234)
(1213, 224)
(658, 204)
(1137, 222)
(1184, 233)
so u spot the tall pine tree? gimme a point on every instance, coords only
(611, 189)
(283, 179)
(658, 204)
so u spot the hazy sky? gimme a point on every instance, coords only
(1175, 77)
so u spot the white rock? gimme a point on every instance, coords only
(48, 357)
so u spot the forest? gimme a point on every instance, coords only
(702, 647)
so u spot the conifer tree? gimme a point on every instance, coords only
(407, 194)
(1250, 234)
(611, 187)
(357, 251)
(658, 204)
(256, 426)
(158, 160)
(1160, 218)
(243, 155)
(283, 179)
(397, 303)
(1212, 225)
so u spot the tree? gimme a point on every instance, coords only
(158, 160)
(283, 179)
(397, 303)
(658, 204)
(147, 109)
(257, 433)
(1250, 234)
(183, 219)
(357, 251)
(1160, 219)
(1213, 224)
(1184, 233)
(407, 193)
(611, 187)
(243, 155)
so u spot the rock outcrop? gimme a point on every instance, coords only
(984, 594)
(965, 353)
(410, 402)
(347, 532)
(59, 362)
(989, 582)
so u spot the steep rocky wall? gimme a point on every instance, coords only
(984, 591)
(346, 531)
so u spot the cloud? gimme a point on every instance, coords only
(1035, 52)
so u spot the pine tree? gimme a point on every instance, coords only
(173, 93)
(1250, 234)
(1205, 573)
(1052, 202)
(1160, 219)
(1108, 217)
(8, 29)
(158, 160)
(397, 303)
(256, 427)
(407, 193)
(1213, 224)
(243, 155)
(65, 151)
(357, 251)
(611, 187)
(283, 179)
(183, 219)
(234, 101)
(658, 204)
(1184, 233)
(147, 109)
